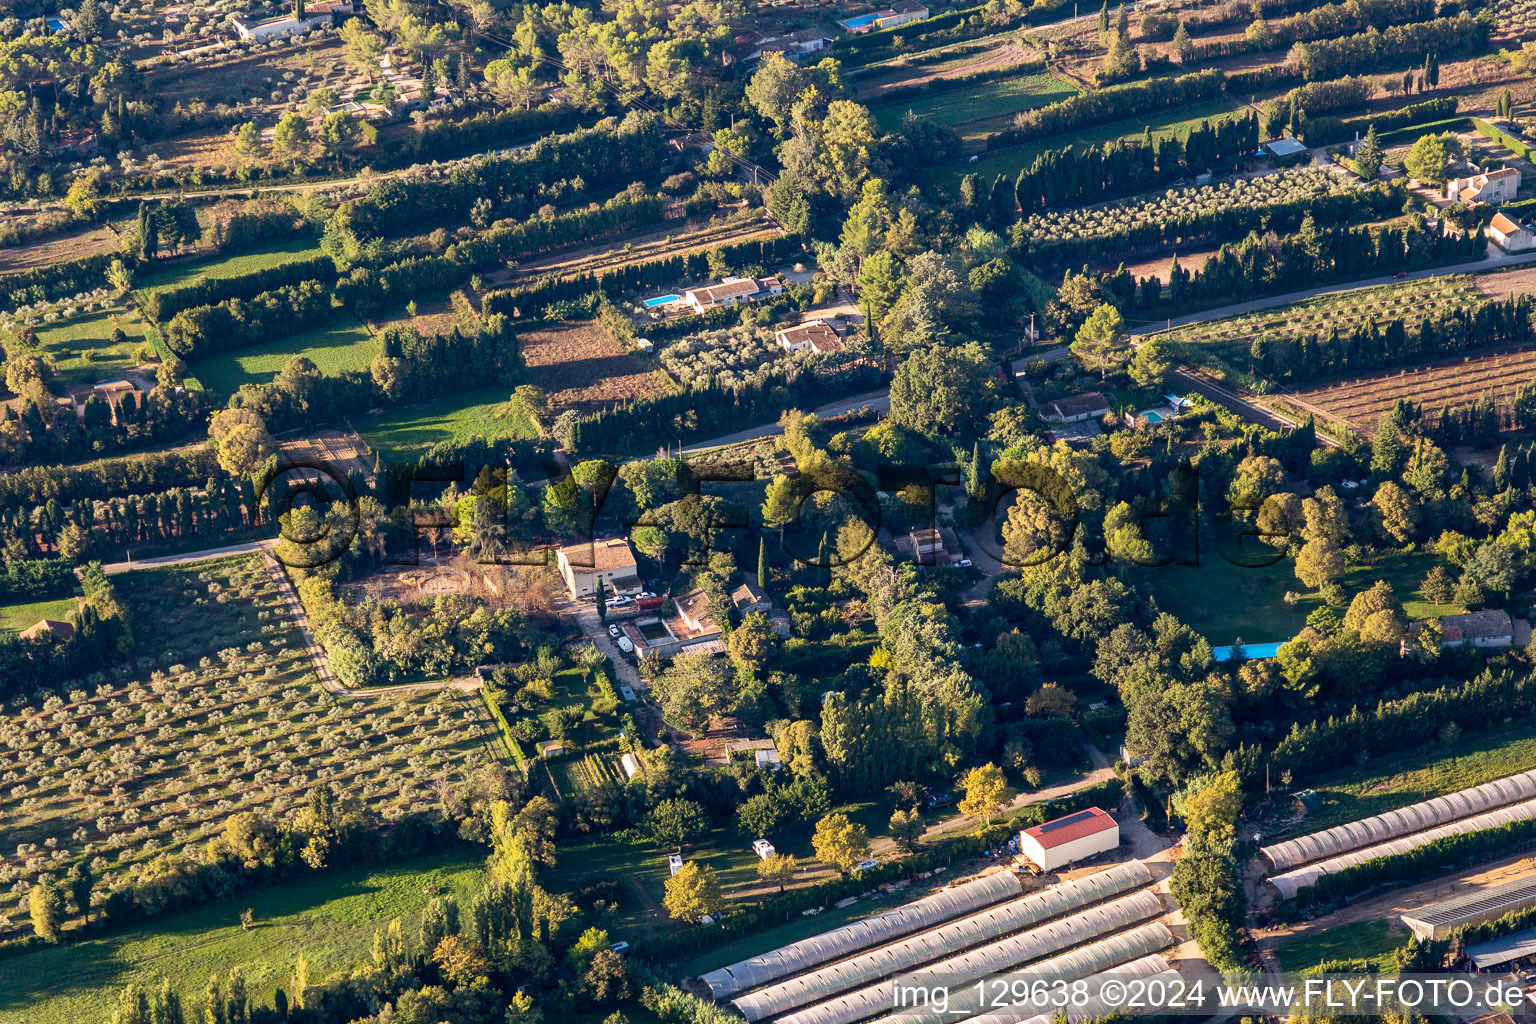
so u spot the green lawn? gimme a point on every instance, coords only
(1225, 602)
(17, 617)
(1009, 162)
(1360, 940)
(981, 109)
(302, 247)
(329, 917)
(69, 341)
(1421, 773)
(454, 417)
(343, 344)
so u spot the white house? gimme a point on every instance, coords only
(316, 14)
(1497, 186)
(1509, 234)
(611, 560)
(1076, 408)
(811, 336)
(731, 292)
(1070, 839)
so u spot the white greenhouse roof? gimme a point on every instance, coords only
(1006, 954)
(1080, 963)
(1413, 818)
(945, 940)
(1496, 901)
(1290, 883)
(872, 931)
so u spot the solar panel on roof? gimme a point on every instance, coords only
(1071, 819)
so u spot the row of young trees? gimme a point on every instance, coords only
(44, 430)
(1485, 417)
(1325, 131)
(1325, 22)
(164, 304)
(106, 478)
(36, 579)
(1374, 344)
(238, 323)
(1114, 104)
(1445, 37)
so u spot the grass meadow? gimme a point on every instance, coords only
(478, 413)
(182, 272)
(16, 617)
(82, 348)
(329, 917)
(341, 345)
(1357, 940)
(979, 110)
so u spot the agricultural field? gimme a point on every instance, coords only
(949, 61)
(171, 273)
(580, 366)
(47, 251)
(730, 356)
(478, 413)
(1360, 401)
(82, 349)
(1265, 190)
(1357, 940)
(330, 918)
(1177, 123)
(342, 345)
(979, 110)
(154, 756)
(16, 617)
(654, 244)
(1409, 301)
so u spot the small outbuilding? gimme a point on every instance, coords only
(1510, 234)
(1282, 148)
(1068, 840)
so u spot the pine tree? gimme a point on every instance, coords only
(1368, 154)
(824, 563)
(1183, 47)
(973, 473)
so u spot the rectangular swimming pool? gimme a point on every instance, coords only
(1250, 651)
(660, 300)
(860, 21)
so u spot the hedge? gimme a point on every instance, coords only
(1325, 131)
(504, 728)
(208, 291)
(1503, 138)
(42, 579)
(59, 280)
(1436, 857)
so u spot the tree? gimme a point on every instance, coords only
(459, 959)
(240, 439)
(986, 790)
(676, 822)
(781, 504)
(248, 143)
(1439, 585)
(778, 869)
(512, 86)
(1183, 48)
(1430, 156)
(360, 47)
(1051, 701)
(600, 595)
(46, 905)
(761, 814)
(840, 842)
(762, 564)
(339, 132)
(692, 893)
(1100, 342)
(1212, 811)
(1368, 155)
(1397, 514)
(906, 828)
(942, 391)
(81, 883)
(695, 688)
(84, 196)
(1152, 364)
(1319, 563)
(291, 136)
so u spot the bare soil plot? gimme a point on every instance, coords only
(342, 452)
(1159, 266)
(582, 367)
(894, 76)
(1359, 401)
(45, 252)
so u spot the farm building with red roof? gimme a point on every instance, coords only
(1070, 839)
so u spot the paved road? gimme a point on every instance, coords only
(189, 557)
(1482, 266)
(879, 401)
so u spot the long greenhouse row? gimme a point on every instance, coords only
(1413, 818)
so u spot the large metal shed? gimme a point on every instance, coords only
(1439, 920)
(872, 931)
(1084, 962)
(945, 940)
(1006, 954)
(1152, 967)
(1413, 818)
(1290, 883)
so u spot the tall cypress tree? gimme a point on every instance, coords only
(762, 563)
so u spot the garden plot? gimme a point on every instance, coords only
(1265, 190)
(1458, 380)
(220, 712)
(82, 348)
(1409, 302)
(732, 356)
(580, 366)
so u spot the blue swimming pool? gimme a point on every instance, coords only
(1152, 417)
(661, 300)
(861, 20)
(56, 25)
(1250, 651)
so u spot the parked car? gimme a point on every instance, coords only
(621, 601)
(964, 563)
(938, 800)
(644, 595)
(625, 645)
(1399, 275)
(615, 632)
(619, 947)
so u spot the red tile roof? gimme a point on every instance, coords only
(1063, 830)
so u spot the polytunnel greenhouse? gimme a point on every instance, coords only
(872, 931)
(1292, 882)
(1153, 968)
(1003, 955)
(1413, 818)
(943, 941)
(1080, 963)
